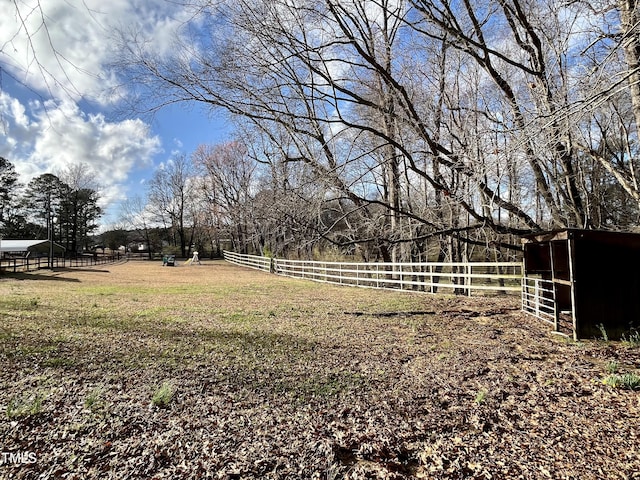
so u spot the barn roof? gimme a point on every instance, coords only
(605, 236)
(27, 246)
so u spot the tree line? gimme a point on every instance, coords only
(63, 208)
(407, 129)
(394, 129)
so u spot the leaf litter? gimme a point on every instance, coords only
(274, 378)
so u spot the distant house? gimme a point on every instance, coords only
(138, 246)
(24, 248)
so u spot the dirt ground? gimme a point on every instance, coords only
(142, 371)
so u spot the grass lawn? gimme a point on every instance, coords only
(214, 371)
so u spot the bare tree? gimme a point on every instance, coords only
(228, 183)
(171, 194)
(136, 214)
(421, 118)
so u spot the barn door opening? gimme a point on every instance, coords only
(562, 277)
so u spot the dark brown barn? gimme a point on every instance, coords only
(585, 282)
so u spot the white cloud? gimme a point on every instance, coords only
(62, 48)
(48, 137)
(60, 51)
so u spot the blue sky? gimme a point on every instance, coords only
(57, 105)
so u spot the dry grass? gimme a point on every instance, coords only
(213, 371)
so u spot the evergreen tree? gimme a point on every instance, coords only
(11, 219)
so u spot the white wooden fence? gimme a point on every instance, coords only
(463, 278)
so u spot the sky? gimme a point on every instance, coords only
(57, 106)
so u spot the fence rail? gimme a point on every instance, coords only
(251, 261)
(461, 278)
(28, 264)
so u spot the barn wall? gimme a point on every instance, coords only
(605, 270)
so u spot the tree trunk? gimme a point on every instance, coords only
(631, 45)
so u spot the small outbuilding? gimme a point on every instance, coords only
(585, 282)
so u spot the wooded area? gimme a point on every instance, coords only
(61, 208)
(390, 130)
(405, 130)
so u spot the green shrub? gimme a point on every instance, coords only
(94, 399)
(612, 366)
(633, 340)
(25, 406)
(603, 331)
(163, 395)
(627, 381)
(481, 396)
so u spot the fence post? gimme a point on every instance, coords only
(536, 297)
(377, 275)
(430, 278)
